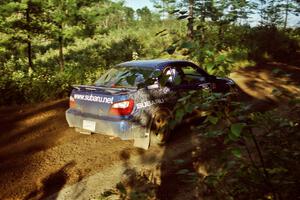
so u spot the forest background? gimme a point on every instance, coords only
(47, 46)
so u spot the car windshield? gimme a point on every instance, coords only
(122, 77)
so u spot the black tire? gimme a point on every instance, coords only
(160, 130)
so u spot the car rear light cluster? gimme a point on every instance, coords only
(122, 108)
(72, 103)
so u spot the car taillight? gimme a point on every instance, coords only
(72, 103)
(122, 107)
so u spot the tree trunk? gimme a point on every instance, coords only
(286, 14)
(220, 36)
(201, 27)
(61, 49)
(190, 25)
(29, 53)
(29, 47)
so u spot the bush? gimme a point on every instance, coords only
(19, 87)
(269, 43)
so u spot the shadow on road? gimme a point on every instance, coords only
(52, 184)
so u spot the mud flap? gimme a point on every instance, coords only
(142, 142)
(141, 132)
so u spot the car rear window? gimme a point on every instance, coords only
(122, 77)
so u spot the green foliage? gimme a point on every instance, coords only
(53, 40)
(270, 43)
(86, 53)
(236, 130)
(119, 51)
(254, 152)
(19, 87)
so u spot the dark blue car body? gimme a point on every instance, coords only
(114, 107)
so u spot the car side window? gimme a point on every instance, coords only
(184, 75)
(192, 75)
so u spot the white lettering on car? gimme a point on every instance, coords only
(149, 103)
(108, 100)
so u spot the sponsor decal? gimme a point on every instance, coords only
(108, 100)
(149, 103)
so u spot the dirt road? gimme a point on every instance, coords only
(38, 149)
(40, 155)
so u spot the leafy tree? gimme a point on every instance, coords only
(290, 6)
(190, 24)
(220, 13)
(20, 22)
(276, 12)
(270, 12)
(129, 14)
(165, 7)
(144, 14)
(61, 13)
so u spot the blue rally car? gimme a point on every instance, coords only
(124, 103)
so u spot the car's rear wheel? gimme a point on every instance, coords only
(160, 130)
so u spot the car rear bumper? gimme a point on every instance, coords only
(119, 128)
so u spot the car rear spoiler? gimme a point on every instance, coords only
(93, 87)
